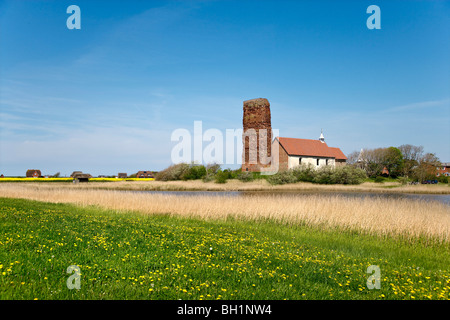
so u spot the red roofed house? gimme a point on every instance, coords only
(33, 173)
(294, 152)
(444, 169)
(144, 174)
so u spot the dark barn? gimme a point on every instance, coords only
(81, 177)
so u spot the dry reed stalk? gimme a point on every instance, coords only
(257, 185)
(406, 217)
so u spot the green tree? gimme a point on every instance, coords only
(411, 156)
(221, 176)
(427, 167)
(372, 161)
(393, 161)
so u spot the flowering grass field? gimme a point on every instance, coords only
(134, 256)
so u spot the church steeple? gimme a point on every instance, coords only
(321, 138)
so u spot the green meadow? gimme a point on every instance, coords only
(137, 256)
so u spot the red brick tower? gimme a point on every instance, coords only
(257, 127)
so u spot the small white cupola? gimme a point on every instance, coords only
(321, 138)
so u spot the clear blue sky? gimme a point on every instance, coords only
(106, 98)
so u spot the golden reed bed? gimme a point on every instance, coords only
(257, 185)
(381, 216)
(263, 185)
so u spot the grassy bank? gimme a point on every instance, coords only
(134, 256)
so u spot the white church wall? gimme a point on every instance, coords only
(293, 161)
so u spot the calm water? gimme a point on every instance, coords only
(444, 198)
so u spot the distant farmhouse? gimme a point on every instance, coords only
(122, 175)
(79, 176)
(74, 173)
(443, 170)
(33, 173)
(144, 174)
(294, 152)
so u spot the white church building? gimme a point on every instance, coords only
(294, 152)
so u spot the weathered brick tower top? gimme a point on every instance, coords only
(257, 142)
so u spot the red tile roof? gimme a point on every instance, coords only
(338, 154)
(308, 147)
